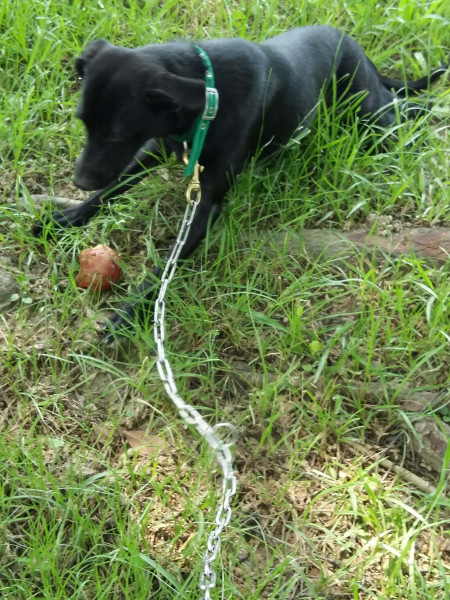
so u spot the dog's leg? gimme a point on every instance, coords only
(207, 212)
(80, 215)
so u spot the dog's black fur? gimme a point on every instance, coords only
(134, 100)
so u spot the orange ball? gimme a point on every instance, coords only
(99, 268)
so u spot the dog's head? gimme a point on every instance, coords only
(128, 97)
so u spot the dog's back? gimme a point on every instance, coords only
(139, 103)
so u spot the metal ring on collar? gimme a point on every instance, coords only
(234, 433)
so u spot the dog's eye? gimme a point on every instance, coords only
(113, 139)
(104, 131)
(107, 134)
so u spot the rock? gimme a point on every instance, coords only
(431, 441)
(418, 401)
(8, 287)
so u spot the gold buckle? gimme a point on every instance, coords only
(194, 185)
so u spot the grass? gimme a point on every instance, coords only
(311, 359)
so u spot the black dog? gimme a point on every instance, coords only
(133, 101)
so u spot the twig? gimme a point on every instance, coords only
(420, 483)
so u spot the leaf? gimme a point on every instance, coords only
(102, 432)
(147, 444)
(55, 443)
(315, 347)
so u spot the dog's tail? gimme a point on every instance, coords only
(403, 88)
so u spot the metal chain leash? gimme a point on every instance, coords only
(188, 413)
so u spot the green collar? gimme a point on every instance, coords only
(199, 129)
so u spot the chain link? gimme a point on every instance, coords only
(191, 416)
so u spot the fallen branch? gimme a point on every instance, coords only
(429, 244)
(418, 482)
(32, 202)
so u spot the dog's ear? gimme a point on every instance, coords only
(91, 51)
(172, 92)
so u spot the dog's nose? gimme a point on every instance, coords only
(90, 179)
(91, 172)
(86, 184)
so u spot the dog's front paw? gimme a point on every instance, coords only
(61, 219)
